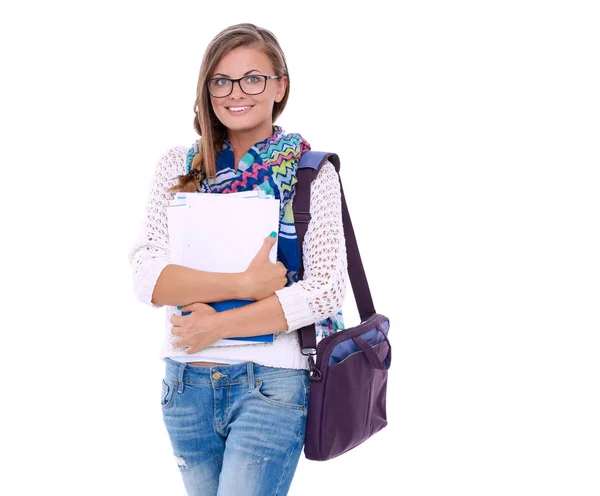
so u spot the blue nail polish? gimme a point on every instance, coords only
(273, 234)
(178, 308)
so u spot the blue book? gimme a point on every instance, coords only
(221, 306)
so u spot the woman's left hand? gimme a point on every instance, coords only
(194, 330)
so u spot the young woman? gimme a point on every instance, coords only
(236, 415)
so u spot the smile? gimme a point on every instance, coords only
(239, 110)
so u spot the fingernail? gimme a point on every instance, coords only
(178, 308)
(273, 234)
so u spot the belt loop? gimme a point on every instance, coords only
(180, 377)
(250, 369)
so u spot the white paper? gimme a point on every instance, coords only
(176, 230)
(220, 233)
(224, 233)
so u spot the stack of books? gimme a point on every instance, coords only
(222, 233)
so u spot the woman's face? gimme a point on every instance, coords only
(239, 111)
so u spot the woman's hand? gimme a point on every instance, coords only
(263, 277)
(194, 330)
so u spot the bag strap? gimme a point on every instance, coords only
(308, 169)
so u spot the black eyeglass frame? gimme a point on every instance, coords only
(238, 81)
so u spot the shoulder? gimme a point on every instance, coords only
(329, 168)
(172, 160)
(174, 153)
(169, 166)
(327, 174)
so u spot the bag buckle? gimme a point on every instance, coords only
(313, 372)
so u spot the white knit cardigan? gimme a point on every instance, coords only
(319, 295)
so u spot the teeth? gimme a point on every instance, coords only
(238, 109)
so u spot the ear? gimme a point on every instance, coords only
(282, 84)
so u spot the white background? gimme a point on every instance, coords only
(468, 133)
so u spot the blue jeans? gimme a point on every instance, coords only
(236, 430)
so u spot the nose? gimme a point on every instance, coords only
(236, 91)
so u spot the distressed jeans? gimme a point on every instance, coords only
(236, 430)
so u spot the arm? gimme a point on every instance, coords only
(263, 317)
(158, 282)
(321, 292)
(179, 285)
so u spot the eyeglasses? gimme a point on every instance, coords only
(255, 84)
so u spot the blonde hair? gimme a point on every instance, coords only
(206, 123)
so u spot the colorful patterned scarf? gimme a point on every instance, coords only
(269, 166)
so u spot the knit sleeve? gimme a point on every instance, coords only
(150, 253)
(322, 290)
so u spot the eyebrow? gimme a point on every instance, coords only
(245, 74)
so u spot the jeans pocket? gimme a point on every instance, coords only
(285, 392)
(166, 398)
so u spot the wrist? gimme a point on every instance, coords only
(218, 325)
(241, 286)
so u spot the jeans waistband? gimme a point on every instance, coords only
(223, 375)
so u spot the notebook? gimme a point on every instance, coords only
(222, 233)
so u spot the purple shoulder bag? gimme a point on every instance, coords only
(347, 402)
